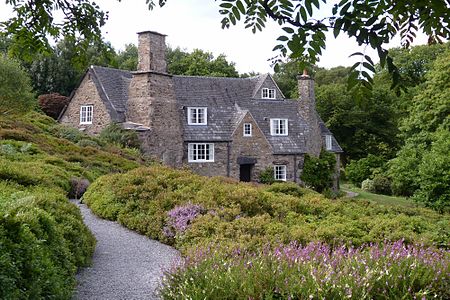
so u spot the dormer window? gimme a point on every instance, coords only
(247, 129)
(268, 93)
(197, 116)
(279, 126)
(328, 143)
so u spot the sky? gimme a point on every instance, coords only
(195, 24)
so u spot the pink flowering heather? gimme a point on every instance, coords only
(315, 271)
(180, 217)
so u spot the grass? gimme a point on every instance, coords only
(377, 198)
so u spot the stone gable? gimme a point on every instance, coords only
(86, 94)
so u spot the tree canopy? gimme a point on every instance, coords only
(373, 23)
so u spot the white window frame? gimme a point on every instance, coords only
(328, 142)
(266, 93)
(280, 172)
(196, 149)
(275, 127)
(86, 114)
(196, 120)
(247, 129)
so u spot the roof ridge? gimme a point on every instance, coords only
(110, 68)
(212, 77)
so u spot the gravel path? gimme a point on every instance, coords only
(125, 265)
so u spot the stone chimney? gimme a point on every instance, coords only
(151, 52)
(307, 109)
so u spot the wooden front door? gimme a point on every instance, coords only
(245, 173)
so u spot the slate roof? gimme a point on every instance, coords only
(227, 101)
(112, 85)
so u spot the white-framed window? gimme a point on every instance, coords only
(200, 152)
(247, 129)
(197, 116)
(279, 172)
(328, 142)
(86, 114)
(279, 126)
(268, 93)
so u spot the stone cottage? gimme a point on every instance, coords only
(235, 127)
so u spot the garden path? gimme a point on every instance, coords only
(125, 265)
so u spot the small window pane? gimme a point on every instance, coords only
(280, 172)
(197, 116)
(247, 129)
(328, 142)
(86, 114)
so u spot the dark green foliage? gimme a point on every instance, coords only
(382, 185)
(434, 174)
(318, 171)
(15, 88)
(115, 134)
(359, 170)
(199, 63)
(267, 176)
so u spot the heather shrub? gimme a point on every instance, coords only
(313, 271)
(116, 134)
(78, 187)
(248, 215)
(88, 143)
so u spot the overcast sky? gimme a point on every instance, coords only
(192, 24)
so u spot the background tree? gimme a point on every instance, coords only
(15, 88)
(373, 24)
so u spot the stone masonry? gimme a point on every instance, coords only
(87, 94)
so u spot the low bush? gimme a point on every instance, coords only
(266, 176)
(367, 185)
(248, 216)
(313, 271)
(116, 134)
(382, 185)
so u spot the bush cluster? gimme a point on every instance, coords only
(42, 236)
(249, 216)
(314, 271)
(52, 104)
(115, 134)
(318, 171)
(359, 170)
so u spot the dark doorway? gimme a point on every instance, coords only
(245, 173)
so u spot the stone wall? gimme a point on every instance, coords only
(151, 52)
(217, 168)
(307, 110)
(255, 146)
(87, 94)
(152, 103)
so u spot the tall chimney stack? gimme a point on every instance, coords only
(151, 52)
(307, 110)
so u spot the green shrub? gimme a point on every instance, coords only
(367, 185)
(434, 174)
(16, 94)
(359, 170)
(287, 188)
(382, 185)
(88, 143)
(267, 176)
(403, 169)
(318, 172)
(116, 134)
